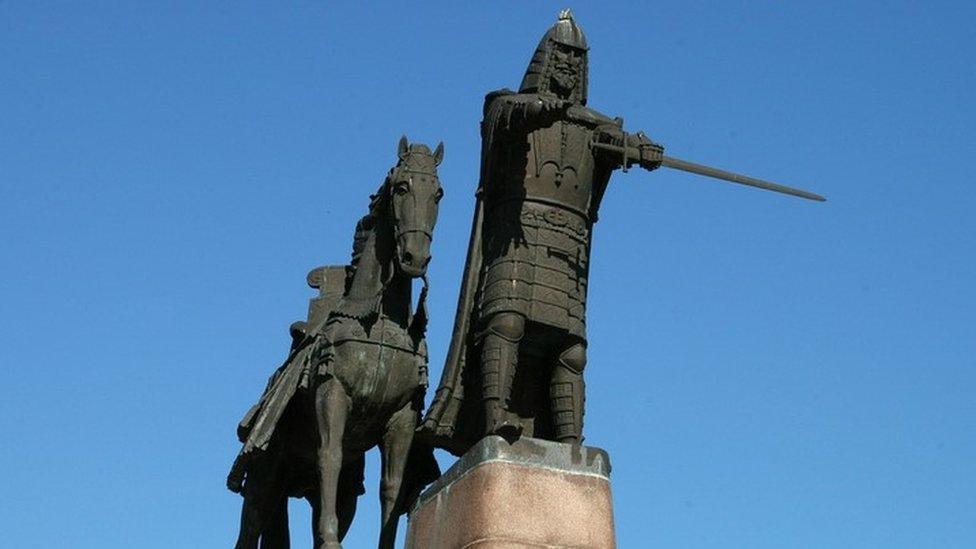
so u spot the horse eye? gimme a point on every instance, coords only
(400, 189)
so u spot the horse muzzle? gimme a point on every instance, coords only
(413, 253)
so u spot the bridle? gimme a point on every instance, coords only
(426, 230)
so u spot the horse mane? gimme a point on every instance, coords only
(365, 226)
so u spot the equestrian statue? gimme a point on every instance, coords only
(355, 377)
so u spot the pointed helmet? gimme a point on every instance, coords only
(565, 33)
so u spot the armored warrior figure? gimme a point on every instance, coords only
(517, 355)
(521, 332)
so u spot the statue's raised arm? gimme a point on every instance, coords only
(637, 149)
(630, 149)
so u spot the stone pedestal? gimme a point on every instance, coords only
(531, 494)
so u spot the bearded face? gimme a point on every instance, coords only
(566, 68)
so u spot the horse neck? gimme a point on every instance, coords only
(396, 299)
(377, 286)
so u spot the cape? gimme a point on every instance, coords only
(258, 425)
(453, 422)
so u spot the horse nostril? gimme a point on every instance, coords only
(407, 257)
(426, 261)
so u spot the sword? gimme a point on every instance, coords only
(633, 153)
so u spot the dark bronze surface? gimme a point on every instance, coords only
(356, 373)
(518, 351)
(355, 377)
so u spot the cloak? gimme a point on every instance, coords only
(454, 420)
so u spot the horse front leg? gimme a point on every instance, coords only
(350, 488)
(331, 410)
(313, 501)
(394, 451)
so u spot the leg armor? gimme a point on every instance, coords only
(566, 395)
(499, 359)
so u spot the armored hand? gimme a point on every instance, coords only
(649, 154)
(629, 149)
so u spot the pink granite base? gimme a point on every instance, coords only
(532, 494)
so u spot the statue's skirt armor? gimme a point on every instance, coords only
(535, 265)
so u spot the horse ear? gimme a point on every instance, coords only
(439, 154)
(403, 147)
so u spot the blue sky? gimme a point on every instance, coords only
(764, 371)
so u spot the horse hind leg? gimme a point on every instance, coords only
(261, 499)
(394, 450)
(251, 523)
(331, 411)
(275, 535)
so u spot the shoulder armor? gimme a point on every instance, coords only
(492, 95)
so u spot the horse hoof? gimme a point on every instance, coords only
(329, 545)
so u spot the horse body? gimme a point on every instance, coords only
(380, 372)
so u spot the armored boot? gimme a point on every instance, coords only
(499, 359)
(566, 394)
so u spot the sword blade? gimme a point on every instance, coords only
(716, 173)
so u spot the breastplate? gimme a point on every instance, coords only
(559, 168)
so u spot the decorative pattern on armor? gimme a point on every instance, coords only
(499, 357)
(563, 410)
(566, 394)
(561, 152)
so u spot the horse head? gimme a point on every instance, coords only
(414, 193)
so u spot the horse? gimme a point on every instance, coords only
(363, 355)
(369, 365)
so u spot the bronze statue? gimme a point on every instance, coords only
(518, 351)
(355, 377)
